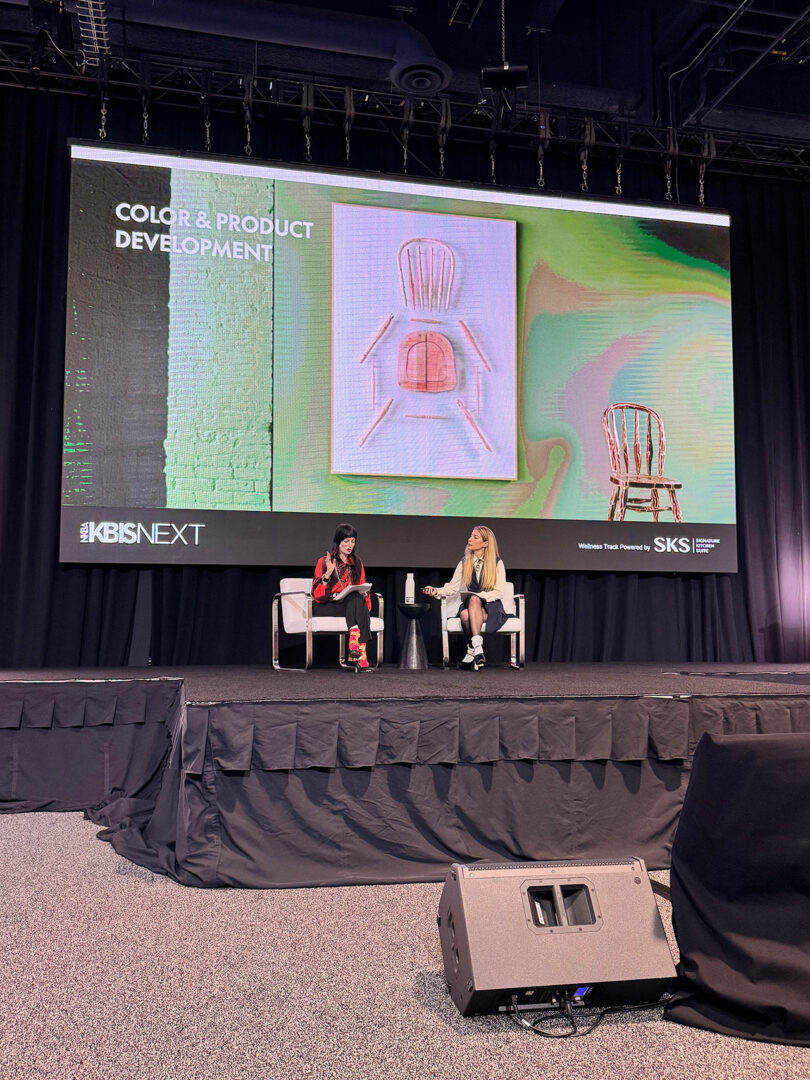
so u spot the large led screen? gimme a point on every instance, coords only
(255, 353)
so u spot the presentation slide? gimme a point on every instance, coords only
(255, 353)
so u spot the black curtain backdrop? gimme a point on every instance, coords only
(56, 615)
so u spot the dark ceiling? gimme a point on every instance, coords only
(711, 65)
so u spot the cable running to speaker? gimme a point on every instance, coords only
(567, 1011)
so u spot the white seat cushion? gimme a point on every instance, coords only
(294, 611)
(329, 624)
(334, 624)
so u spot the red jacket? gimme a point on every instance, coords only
(340, 580)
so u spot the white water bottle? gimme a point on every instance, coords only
(410, 589)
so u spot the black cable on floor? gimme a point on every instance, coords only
(566, 1010)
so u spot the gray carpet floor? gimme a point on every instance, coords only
(110, 972)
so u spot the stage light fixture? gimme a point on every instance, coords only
(504, 80)
(505, 77)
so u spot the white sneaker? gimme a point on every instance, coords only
(469, 659)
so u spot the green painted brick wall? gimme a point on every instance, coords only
(218, 441)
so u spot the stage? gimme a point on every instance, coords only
(250, 777)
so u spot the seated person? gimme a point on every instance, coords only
(335, 571)
(481, 571)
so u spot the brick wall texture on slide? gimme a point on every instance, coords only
(218, 432)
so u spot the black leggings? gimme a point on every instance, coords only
(353, 609)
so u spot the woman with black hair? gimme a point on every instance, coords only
(335, 571)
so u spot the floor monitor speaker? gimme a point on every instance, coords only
(533, 934)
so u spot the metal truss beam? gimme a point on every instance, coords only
(286, 97)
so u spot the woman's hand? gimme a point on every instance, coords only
(328, 565)
(428, 590)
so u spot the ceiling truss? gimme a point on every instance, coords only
(412, 122)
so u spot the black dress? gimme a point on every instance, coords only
(495, 615)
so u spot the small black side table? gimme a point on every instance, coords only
(413, 656)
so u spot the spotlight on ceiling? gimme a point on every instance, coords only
(506, 77)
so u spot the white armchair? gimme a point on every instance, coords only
(515, 625)
(299, 616)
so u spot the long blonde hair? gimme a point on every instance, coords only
(489, 571)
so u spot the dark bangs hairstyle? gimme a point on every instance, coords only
(343, 532)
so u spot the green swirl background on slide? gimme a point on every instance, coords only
(609, 309)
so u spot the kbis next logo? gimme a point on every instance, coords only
(135, 532)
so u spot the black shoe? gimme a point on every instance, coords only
(479, 661)
(467, 663)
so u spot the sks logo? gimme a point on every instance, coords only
(679, 544)
(135, 532)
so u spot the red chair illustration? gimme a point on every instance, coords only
(636, 444)
(426, 361)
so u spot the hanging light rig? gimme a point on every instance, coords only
(307, 109)
(405, 133)
(104, 98)
(672, 157)
(145, 104)
(542, 145)
(442, 133)
(503, 80)
(624, 142)
(497, 108)
(247, 114)
(348, 120)
(592, 135)
(708, 154)
(588, 142)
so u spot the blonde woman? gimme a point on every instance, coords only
(480, 578)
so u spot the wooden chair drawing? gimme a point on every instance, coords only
(636, 445)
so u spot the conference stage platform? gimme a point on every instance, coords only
(249, 777)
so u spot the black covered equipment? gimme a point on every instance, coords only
(741, 888)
